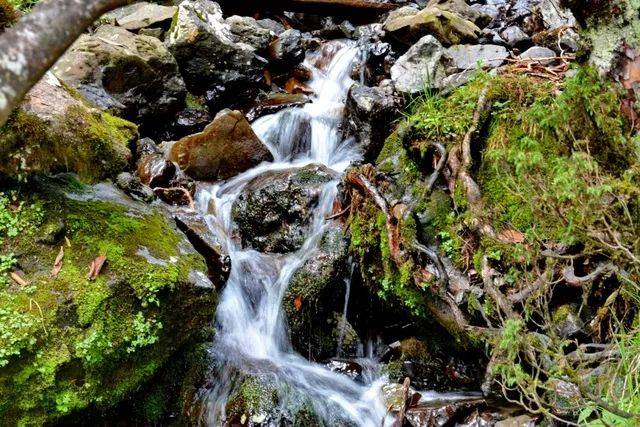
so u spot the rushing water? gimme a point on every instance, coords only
(252, 338)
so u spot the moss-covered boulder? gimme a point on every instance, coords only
(77, 336)
(56, 130)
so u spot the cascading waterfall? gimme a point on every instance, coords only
(251, 329)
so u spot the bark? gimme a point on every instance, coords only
(35, 42)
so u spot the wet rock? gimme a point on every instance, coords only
(209, 58)
(132, 186)
(370, 112)
(274, 26)
(155, 170)
(434, 414)
(274, 211)
(131, 75)
(538, 53)
(247, 30)
(56, 130)
(189, 121)
(474, 56)
(287, 50)
(146, 15)
(226, 147)
(424, 66)
(519, 421)
(276, 102)
(448, 27)
(376, 66)
(394, 395)
(207, 243)
(431, 368)
(348, 368)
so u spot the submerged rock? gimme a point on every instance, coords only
(56, 130)
(209, 58)
(274, 211)
(95, 339)
(226, 147)
(276, 102)
(133, 76)
(425, 65)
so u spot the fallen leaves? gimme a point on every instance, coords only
(95, 267)
(57, 264)
(511, 236)
(297, 303)
(16, 277)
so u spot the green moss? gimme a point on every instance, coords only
(86, 342)
(91, 143)
(8, 15)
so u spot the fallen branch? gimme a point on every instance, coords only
(570, 277)
(439, 166)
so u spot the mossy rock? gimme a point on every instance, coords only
(56, 130)
(70, 343)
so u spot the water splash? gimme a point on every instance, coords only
(251, 334)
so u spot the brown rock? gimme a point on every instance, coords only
(225, 148)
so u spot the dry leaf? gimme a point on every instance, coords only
(95, 267)
(512, 236)
(67, 241)
(57, 264)
(18, 279)
(297, 303)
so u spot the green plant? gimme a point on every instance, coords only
(144, 332)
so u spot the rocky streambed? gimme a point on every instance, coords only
(295, 215)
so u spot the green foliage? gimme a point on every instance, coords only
(23, 5)
(144, 332)
(17, 333)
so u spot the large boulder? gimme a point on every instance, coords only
(56, 130)
(370, 112)
(448, 27)
(128, 293)
(132, 76)
(227, 147)
(275, 210)
(210, 59)
(425, 66)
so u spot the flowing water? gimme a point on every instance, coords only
(251, 337)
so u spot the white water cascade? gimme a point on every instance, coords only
(251, 336)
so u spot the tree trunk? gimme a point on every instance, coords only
(35, 42)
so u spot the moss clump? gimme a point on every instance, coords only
(8, 15)
(70, 343)
(74, 138)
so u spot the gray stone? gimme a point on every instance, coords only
(370, 112)
(424, 66)
(514, 35)
(208, 56)
(146, 15)
(247, 30)
(131, 75)
(477, 56)
(538, 53)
